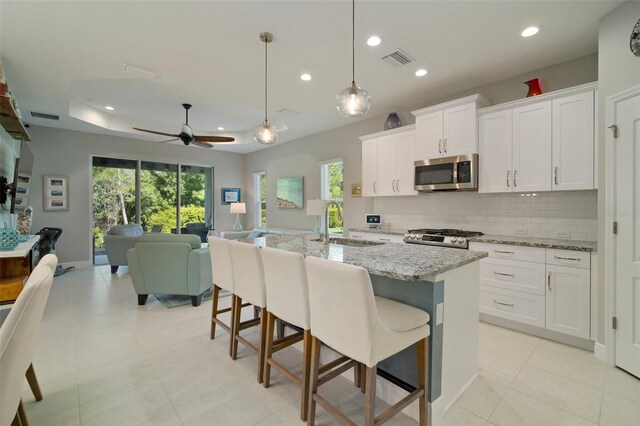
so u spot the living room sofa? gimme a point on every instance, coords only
(119, 240)
(170, 264)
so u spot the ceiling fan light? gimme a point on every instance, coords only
(266, 134)
(353, 101)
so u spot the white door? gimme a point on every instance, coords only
(627, 195)
(494, 160)
(460, 130)
(573, 142)
(405, 173)
(386, 165)
(569, 300)
(532, 148)
(369, 167)
(429, 136)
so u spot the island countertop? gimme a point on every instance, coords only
(405, 262)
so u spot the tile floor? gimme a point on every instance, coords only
(102, 360)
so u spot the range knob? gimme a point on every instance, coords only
(407, 236)
(462, 240)
(416, 236)
(454, 239)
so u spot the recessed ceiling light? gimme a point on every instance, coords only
(221, 128)
(305, 77)
(530, 31)
(421, 72)
(374, 41)
(109, 108)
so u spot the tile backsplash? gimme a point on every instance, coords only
(568, 214)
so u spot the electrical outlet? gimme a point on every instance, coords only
(522, 232)
(439, 313)
(565, 235)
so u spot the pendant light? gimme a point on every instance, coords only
(353, 101)
(266, 134)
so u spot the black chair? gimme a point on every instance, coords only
(48, 239)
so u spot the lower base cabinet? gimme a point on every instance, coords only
(569, 300)
(513, 305)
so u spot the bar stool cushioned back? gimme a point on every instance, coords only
(221, 263)
(248, 274)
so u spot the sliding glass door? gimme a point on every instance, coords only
(159, 196)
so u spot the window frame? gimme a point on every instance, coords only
(257, 195)
(324, 185)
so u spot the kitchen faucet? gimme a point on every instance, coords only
(326, 218)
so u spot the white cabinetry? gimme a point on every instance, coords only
(540, 144)
(448, 129)
(373, 236)
(546, 288)
(387, 163)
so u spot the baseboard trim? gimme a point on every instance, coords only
(600, 352)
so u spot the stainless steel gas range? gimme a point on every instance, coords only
(455, 238)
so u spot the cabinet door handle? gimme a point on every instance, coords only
(555, 175)
(374, 187)
(356, 236)
(575, 259)
(384, 239)
(440, 146)
(508, 178)
(515, 178)
(503, 252)
(445, 145)
(549, 281)
(503, 304)
(503, 274)
(397, 185)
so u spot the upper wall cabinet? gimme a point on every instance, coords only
(448, 129)
(387, 163)
(541, 144)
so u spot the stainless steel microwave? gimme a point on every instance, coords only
(459, 173)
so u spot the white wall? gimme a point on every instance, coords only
(301, 157)
(618, 69)
(68, 153)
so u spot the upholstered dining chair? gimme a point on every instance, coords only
(18, 338)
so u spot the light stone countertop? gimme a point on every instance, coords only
(401, 261)
(384, 231)
(589, 246)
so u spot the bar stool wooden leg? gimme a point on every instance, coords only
(313, 381)
(237, 311)
(357, 376)
(33, 383)
(363, 377)
(214, 311)
(280, 332)
(21, 415)
(423, 379)
(370, 396)
(306, 372)
(261, 350)
(268, 350)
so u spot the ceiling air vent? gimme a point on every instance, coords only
(397, 58)
(45, 116)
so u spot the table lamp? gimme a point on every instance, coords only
(316, 208)
(238, 209)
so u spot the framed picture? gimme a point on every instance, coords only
(290, 193)
(56, 193)
(356, 190)
(24, 179)
(230, 195)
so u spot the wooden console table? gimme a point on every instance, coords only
(15, 267)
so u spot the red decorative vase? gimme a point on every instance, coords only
(534, 87)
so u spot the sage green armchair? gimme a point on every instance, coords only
(170, 264)
(119, 240)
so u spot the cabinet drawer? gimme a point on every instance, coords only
(370, 236)
(504, 251)
(513, 275)
(578, 259)
(514, 305)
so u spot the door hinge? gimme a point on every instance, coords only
(615, 130)
(614, 323)
(615, 227)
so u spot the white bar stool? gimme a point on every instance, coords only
(346, 316)
(249, 286)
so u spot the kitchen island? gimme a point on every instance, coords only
(442, 281)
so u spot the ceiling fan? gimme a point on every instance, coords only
(186, 134)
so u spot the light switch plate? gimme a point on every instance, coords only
(439, 313)
(522, 232)
(565, 235)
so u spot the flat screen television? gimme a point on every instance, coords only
(21, 190)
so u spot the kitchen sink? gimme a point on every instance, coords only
(350, 242)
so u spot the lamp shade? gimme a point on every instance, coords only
(316, 207)
(240, 208)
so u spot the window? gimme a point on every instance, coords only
(260, 197)
(332, 188)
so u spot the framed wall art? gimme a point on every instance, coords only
(56, 193)
(290, 193)
(229, 195)
(356, 190)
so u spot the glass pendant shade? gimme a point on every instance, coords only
(266, 134)
(353, 101)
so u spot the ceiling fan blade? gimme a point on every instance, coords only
(169, 140)
(202, 145)
(214, 139)
(155, 133)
